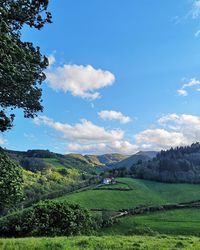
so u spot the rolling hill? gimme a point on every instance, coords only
(131, 160)
(181, 164)
(141, 193)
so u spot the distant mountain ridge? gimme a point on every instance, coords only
(90, 160)
(113, 160)
(133, 159)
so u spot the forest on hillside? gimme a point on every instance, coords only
(180, 164)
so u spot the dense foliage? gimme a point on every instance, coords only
(11, 183)
(50, 175)
(181, 164)
(21, 64)
(47, 218)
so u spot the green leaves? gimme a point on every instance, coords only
(48, 218)
(11, 182)
(21, 64)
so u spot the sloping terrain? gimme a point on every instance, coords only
(181, 164)
(134, 159)
(181, 222)
(142, 193)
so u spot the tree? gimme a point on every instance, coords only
(21, 64)
(11, 183)
(48, 218)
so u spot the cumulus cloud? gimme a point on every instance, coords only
(178, 130)
(160, 138)
(85, 137)
(192, 82)
(182, 119)
(175, 130)
(114, 115)
(83, 132)
(80, 80)
(121, 147)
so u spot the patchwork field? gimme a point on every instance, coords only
(142, 193)
(174, 222)
(103, 243)
(130, 232)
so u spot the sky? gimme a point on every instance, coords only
(124, 76)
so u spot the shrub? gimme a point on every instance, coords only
(47, 218)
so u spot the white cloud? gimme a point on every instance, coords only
(82, 81)
(183, 119)
(83, 132)
(182, 92)
(51, 59)
(192, 82)
(121, 147)
(195, 9)
(160, 138)
(178, 130)
(114, 115)
(3, 141)
(85, 137)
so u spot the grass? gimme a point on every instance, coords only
(180, 221)
(117, 185)
(143, 193)
(160, 242)
(54, 162)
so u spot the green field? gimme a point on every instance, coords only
(160, 242)
(113, 186)
(143, 193)
(130, 232)
(180, 221)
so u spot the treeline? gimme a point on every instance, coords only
(180, 164)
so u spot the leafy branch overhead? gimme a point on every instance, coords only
(21, 64)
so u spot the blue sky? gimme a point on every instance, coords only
(125, 76)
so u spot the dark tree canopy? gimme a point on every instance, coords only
(47, 218)
(11, 182)
(21, 64)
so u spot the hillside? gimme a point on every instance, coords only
(182, 222)
(141, 193)
(131, 160)
(86, 162)
(181, 164)
(98, 160)
(47, 174)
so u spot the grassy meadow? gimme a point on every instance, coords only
(103, 243)
(142, 193)
(158, 230)
(174, 222)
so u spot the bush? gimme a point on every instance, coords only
(47, 218)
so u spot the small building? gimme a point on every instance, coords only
(108, 181)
